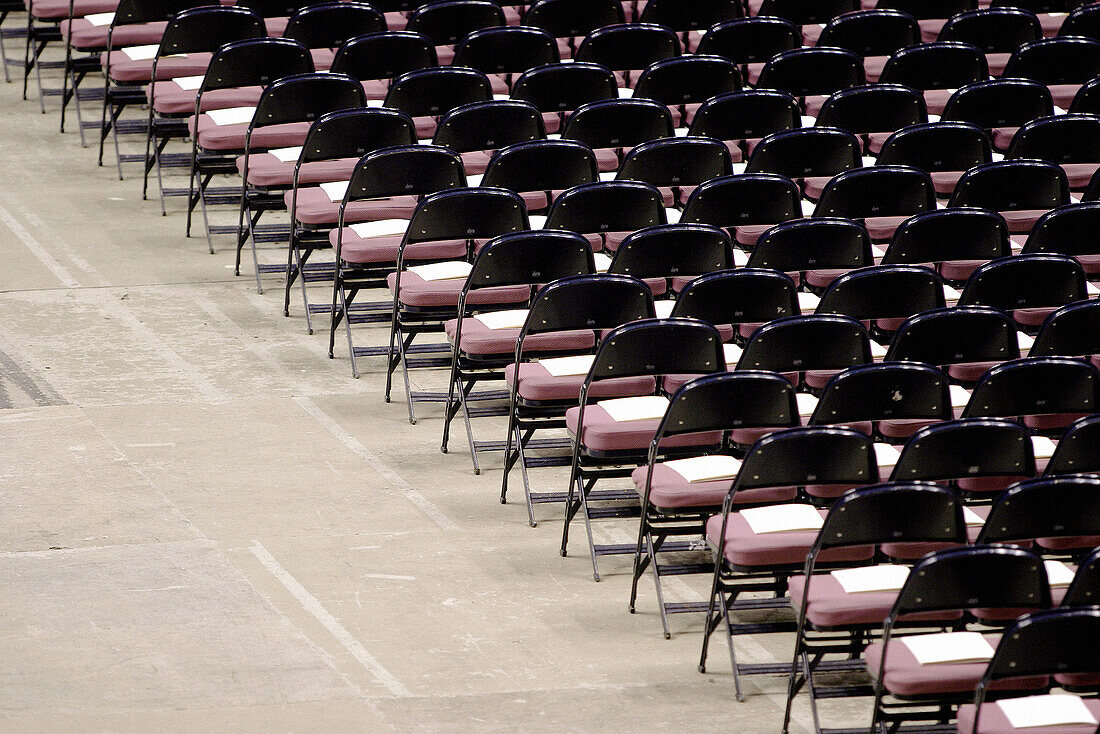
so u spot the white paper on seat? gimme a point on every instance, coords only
(538, 221)
(189, 83)
(381, 228)
(474, 179)
(972, 519)
(1059, 575)
(142, 53)
(807, 302)
(641, 408)
(568, 366)
(376, 103)
(291, 155)
(1051, 709)
(232, 115)
(1042, 446)
(672, 216)
(806, 404)
(878, 351)
(607, 175)
(883, 577)
(1026, 342)
(960, 396)
(808, 121)
(603, 261)
(663, 309)
(951, 295)
(625, 92)
(510, 319)
(732, 353)
(706, 468)
(100, 19)
(782, 518)
(336, 190)
(1091, 289)
(449, 270)
(740, 258)
(949, 647)
(808, 207)
(886, 455)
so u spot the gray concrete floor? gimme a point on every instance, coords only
(209, 525)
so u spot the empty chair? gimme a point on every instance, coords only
(943, 150)
(929, 9)
(1063, 64)
(506, 51)
(817, 72)
(875, 110)
(1047, 393)
(676, 165)
(541, 169)
(1071, 141)
(1071, 331)
(1059, 512)
(607, 211)
(882, 196)
(689, 15)
(326, 26)
(427, 94)
(1083, 21)
(812, 155)
(1068, 230)
(878, 32)
(964, 341)
(956, 240)
(814, 251)
(1078, 450)
(818, 346)
(740, 299)
(1000, 106)
(573, 18)
(557, 89)
(884, 296)
(685, 82)
(613, 126)
(377, 58)
(1087, 99)
(746, 115)
(676, 252)
(890, 401)
(450, 21)
(936, 69)
(750, 40)
(1021, 190)
(981, 456)
(746, 204)
(629, 47)
(993, 30)
(1029, 287)
(477, 129)
(804, 12)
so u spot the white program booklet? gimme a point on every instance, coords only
(290, 155)
(782, 518)
(740, 258)
(189, 83)
(602, 261)
(232, 115)
(883, 577)
(449, 270)
(641, 408)
(511, 319)
(732, 353)
(806, 404)
(1052, 709)
(960, 396)
(100, 19)
(1058, 574)
(380, 228)
(335, 190)
(568, 366)
(878, 351)
(142, 53)
(886, 455)
(537, 221)
(706, 468)
(1042, 446)
(663, 309)
(807, 302)
(972, 519)
(949, 647)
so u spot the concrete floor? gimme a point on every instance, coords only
(208, 525)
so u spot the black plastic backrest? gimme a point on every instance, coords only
(209, 28)
(804, 152)
(802, 12)
(255, 62)
(956, 335)
(876, 392)
(1061, 60)
(689, 15)
(469, 213)
(744, 295)
(618, 123)
(629, 46)
(993, 30)
(937, 65)
(873, 108)
(729, 400)
(809, 455)
(436, 91)
(658, 347)
(537, 256)
(976, 447)
(329, 25)
(406, 170)
(272, 8)
(594, 302)
(1038, 6)
(812, 70)
(130, 12)
(1061, 139)
(1047, 507)
(607, 206)
(673, 250)
(542, 165)
(813, 244)
(565, 87)
(1025, 281)
(1084, 590)
(1083, 21)
(751, 198)
(877, 191)
(489, 125)
(798, 343)
(938, 146)
(688, 79)
(450, 21)
(949, 234)
(1087, 99)
(384, 55)
(356, 132)
(893, 513)
(506, 50)
(747, 114)
(676, 161)
(751, 40)
(877, 32)
(883, 292)
(305, 97)
(573, 17)
(964, 578)
(929, 9)
(1035, 386)
(1071, 331)
(999, 103)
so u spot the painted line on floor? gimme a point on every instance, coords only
(37, 249)
(329, 622)
(375, 463)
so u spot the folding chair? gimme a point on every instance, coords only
(1046, 393)
(877, 32)
(746, 205)
(964, 342)
(685, 82)
(1078, 450)
(949, 584)
(1037, 644)
(809, 348)
(246, 63)
(736, 301)
(422, 306)
(929, 9)
(385, 188)
(669, 254)
(882, 196)
(1021, 190)
(572, 19)
(746, 561)
(289, 101)
(612, 127)
(538, 398)
(694, 15)
(873, 111)
(804, 12)
(1063, 64)
(506, 52)
(673, 506)
(999, 105)
(813, 252)
(936, 68)
(427, 94)
(377, 58)
(747, 115)
(676, 166)
(993, 30)
(607, 211)
(477, 130)
(750, 40)
(883, 296)
(558, 89)
(541, 169)
(1087, 99)
(7, 7)
(943, 150)
(1028, 287)
(833, 622)
(1068, 140)
(449, 21)
(325, 26)
(1083, 21)
(956, 241)
(1071, 331)
(629, 48)
(810, 155)
(481, 352)
(1060, 513)
(812, 71)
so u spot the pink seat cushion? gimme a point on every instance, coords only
(831, 606)
(1002, 137)
(171, 99)
(969, 371)
(232, 137)
(743, 547)
(126, 71)
(959, 269)
(748, 234)
(988, 484)
(603, 433)
(936, 99)
(882, 228)
(54, 9)
(420, 293)
(477, 338)
(993, 721)
(670, 490)
(87, 37)
(1063, 94)
(536, 385)
(315, 207)
(356, 249)
(267, 171)
(1079, 174)
(1022, 220)
(903, 427)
